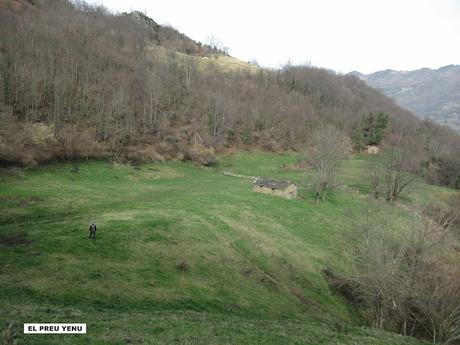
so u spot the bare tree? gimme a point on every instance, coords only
(396, 167)
(74, 65)
(216, 44)
(437, 302)
(327, 147)
(402, 275)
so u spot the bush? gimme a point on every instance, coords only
(28, 144)
(403, 274)
(142, 154)
(77, 143)
(25, 144)
(201, 155)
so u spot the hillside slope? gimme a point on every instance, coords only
(431, 93)
(182, 255)
(133, 82)
(118, 107)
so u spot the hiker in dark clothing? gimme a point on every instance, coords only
(92, 230)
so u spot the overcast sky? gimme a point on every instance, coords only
(344, 35)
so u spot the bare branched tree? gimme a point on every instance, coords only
(216, 44)
(395, 168)
(75, 65)
(403, 275)
(327, 147)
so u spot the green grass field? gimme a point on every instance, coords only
(183, 254)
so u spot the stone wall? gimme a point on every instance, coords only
(289, 193)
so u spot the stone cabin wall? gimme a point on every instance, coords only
(289, 193)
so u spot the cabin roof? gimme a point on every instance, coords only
(271, 183)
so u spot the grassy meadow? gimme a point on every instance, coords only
(224, 63)
(183, 254)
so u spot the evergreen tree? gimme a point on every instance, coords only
(370, 131)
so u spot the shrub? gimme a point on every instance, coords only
(142, 154)
(25, 144)
(403, 276)
(201, 155)
(76, 143)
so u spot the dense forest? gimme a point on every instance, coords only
(80, 82)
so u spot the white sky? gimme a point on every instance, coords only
(344, 35)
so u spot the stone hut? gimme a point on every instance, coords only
(284, 189)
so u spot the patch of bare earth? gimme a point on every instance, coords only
(14, 239)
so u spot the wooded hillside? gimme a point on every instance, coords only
(78, 81)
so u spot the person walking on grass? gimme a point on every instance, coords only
(92, 229)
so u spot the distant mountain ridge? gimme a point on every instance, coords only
(431, 93)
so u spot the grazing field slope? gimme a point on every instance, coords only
(183, 254)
